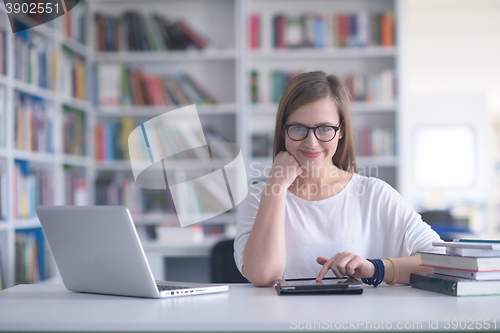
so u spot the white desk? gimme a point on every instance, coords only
(243, 308)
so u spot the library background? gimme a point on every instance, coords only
(71, 91)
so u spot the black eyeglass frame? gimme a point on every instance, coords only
(335, 128)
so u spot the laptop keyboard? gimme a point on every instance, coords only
(163, 288)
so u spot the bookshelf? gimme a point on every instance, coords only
(212, 64)
(76, 101)
(44, 159)
(286, 38)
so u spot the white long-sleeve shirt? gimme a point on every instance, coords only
(368, 218)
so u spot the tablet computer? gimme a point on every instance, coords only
(310, 286)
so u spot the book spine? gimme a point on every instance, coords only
(2, 274)
(74, 131)
(254, 89)
(387, 29)
(255, 31)
(193, 37)
(4, 191)
(434, 284)
(2, 52)
(30, 256)
(29, 133)
(28, 193)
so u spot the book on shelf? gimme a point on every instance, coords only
(73, 75)
(217, 151)
(376, 142)
(74, 131)
(3, 116)
(262, 144)
(121, 189)
(444, 260)
(455, 286)
(4, 193)
(111, 139)
(120, 85)
(33, 186)
(479, 249)
(320, 30)
(377, 87)
(32, 256)
(254, 86)
(74, 21)
(254, 31)
(2, 274)
(279, 80)
(33, 126)
(3, 51)
(138, 31)
(35, 59)
(75, 186)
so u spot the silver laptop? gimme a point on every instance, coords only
(97, 250)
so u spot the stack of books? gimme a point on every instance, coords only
(466, 268)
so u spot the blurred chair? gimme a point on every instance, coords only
(443, 223)
(224, 268)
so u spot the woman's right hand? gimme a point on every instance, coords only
(285, 169)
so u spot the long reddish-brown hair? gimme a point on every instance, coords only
(311, 87)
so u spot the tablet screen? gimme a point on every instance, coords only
(326, 281)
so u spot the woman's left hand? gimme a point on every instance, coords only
(346, 263)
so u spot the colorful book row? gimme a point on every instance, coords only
(75, 186)
(3, 116)
(4, 193)
(32, 186)
(381, 87)
(118, 189)
(73, 75)
(74, 21)
(3, 51)
(2, 274)
(35, 60)
(33, 127)
(32, 256)
(120, 85)
(376, 142)
(319, 31)
(74, 130)
(111, 139)
(136, 31)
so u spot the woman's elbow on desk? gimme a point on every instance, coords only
(260, 279)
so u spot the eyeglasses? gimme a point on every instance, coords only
(322, 133)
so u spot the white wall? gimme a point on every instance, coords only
(452, 47)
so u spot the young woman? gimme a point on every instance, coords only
(315, 216)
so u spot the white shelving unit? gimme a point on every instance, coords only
(52, 162)
(217, 68)
(224, 68)
(332, 60)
